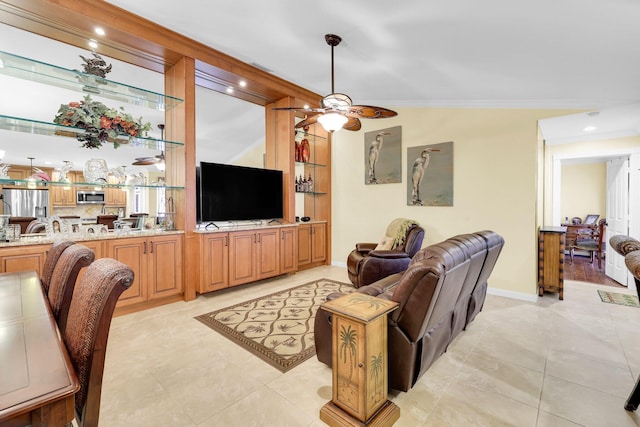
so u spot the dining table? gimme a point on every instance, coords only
(37, 378)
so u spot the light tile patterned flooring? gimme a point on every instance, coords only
(550, 363)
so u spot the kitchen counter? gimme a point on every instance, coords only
(241, 226)
(43, 238)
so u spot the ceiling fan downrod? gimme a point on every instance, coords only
(333, 41)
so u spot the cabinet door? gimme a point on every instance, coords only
(288, 249)
(304, 245)
(165, 266)
(318, 242)
(115, 197)
(23, 258)
(268, 253)
(133, 253)
(214, 272)
(242, 255)
(62, 196)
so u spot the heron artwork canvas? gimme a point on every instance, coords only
(383, 156)
(430, 175)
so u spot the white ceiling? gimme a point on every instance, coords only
(575, 54)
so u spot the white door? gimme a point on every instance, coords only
(617, 215)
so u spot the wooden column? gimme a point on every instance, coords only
(360, 363)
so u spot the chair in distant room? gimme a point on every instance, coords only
(53, 254)
(36, 226)
(106, 220)
(370, 262)
(94, 300)
(23, 221)
(629, 248)
(595, 244)
(63, 280)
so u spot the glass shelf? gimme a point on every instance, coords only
(29, 69)
(97, 186)
(309, 164)
(17, 124)
(302, 133)
(313, 193)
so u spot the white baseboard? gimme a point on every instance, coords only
(513, 295)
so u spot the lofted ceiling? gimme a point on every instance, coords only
(572, 54)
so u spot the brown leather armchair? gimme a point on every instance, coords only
(370, 262)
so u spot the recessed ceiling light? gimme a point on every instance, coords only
(229, 89)
(305, 107)
(99, 31)
(589, 128)
(242, 83)
(93, 44)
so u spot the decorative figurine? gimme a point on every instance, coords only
(96, 66)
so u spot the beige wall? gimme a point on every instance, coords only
(495, 185)
(584, 190)
(252, 157)
(585, 149)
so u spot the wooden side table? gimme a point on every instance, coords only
(551, 246)
(360, 364)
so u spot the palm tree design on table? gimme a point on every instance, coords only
(348, 348)
(376, 370)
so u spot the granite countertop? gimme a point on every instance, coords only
(241, 226)
(44, 239)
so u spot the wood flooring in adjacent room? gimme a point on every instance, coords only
(583, 271)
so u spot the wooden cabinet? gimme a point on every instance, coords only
(253, 255)
(62, 196)
(288, 250)
(115, 197)
(551, 246)
(214, 250)
(238, 257)
(312, 244)
(156, 262)
(22, 258)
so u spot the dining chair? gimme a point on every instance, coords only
(94, 300)
(63, 280)
(594, 244)
(51, 260)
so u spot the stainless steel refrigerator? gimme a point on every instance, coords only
(33, 203)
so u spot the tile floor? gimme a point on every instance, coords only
(552, 363)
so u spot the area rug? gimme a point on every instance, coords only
(279, 327)
(618, 298)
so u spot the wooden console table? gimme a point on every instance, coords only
(360, 364)
(551, 245)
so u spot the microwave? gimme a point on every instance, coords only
(87, 197)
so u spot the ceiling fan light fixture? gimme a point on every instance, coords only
(332, 122)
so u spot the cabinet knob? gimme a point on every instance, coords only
(360, 365)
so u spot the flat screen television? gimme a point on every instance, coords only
(234, 193)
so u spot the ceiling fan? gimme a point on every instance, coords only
(336, 109)
(157, 160)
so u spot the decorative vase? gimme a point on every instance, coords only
(96, 170)
(298, 149)
(305, 151)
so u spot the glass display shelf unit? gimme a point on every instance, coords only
(305, 134)
(309, 164)
(93, 185)
(312, 193)
(18, 124)
(41, 72)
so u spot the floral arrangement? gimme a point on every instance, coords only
(101, 122)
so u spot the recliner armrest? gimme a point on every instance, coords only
(389, 254)
(365, 247)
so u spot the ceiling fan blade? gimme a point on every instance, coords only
(308, 121)
(370, 112)
(301, 110)
(352, 124)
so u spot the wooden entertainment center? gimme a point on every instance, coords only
(220, 257)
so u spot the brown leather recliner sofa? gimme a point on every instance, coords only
(442, 290)
(366, 264)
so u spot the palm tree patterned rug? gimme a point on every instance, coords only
(618, 298)
(278, 327)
